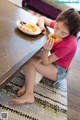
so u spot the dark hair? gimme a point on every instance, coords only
(71, 19)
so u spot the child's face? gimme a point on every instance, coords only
(61, 30)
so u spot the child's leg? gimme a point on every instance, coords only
(49, 71)
(22, 90)
(30, 73)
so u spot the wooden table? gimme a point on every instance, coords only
(15, 47)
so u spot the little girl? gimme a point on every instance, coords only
(54, 67)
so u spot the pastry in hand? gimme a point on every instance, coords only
(55, 38)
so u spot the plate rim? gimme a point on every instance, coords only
(28, 33)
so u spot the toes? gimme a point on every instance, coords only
(20, 93)
(16, 101)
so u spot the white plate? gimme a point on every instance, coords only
(23, 27)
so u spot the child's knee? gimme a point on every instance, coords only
(35, 60)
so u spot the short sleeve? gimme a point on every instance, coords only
(62, 52)
(52, 24)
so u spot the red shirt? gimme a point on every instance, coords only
(64, 50)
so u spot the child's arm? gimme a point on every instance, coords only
(46, 60)
(47, 47)
(42, 22)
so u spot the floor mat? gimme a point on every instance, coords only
(50, 101)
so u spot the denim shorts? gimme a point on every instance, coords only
(62, 72)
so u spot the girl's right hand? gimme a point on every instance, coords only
(48, 45)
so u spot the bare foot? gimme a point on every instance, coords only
(21, 91)
(26, 98)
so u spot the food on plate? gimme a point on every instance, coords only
(28, 28)
(55, 38)
(32, 27)
(23, 23)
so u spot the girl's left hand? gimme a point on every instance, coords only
(43, 29)
(48, 45)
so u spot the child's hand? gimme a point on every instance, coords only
(43, 29)
(48, 45)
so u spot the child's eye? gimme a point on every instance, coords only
(63, 33)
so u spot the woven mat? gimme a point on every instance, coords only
(50, 102)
